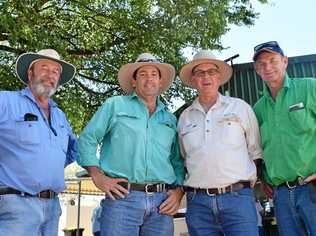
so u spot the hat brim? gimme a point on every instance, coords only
(125, 75)
(24, 60)
(225, 70)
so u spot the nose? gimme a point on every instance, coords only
(267, 66)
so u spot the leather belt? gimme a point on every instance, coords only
(43, 194)
(299, 181)
(148, 188)
(215, 191)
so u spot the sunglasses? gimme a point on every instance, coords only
(148, 60)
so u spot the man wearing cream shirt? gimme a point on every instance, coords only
(220, 142)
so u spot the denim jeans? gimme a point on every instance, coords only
(136, 214)
(295, 210)
(233, 214)
(28, 216)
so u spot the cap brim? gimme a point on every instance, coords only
(225, 70)
(125, 75)
(254, 58)
(24, 60)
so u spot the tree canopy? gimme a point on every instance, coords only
(99, 36)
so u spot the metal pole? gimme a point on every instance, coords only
(78, 212)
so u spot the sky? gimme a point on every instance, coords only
(290, 22)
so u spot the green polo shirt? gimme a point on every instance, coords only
(288, 130)
(133, 145)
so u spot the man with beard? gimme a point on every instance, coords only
(36, 143)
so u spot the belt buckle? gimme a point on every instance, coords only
(147, 190)
(289, 186)
(210, 194)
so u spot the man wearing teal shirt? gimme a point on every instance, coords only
(139, 153)
(287, 117)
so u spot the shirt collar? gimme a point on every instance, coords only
(28, 93)
(160, 105)
(221, 100)
(286, 84)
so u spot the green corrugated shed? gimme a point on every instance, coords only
(247, 85)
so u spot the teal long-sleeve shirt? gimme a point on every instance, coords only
(133, 145)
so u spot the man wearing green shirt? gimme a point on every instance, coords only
(287, 117)
(139, 168)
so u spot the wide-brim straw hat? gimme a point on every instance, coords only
(126, 72)
(25, 60)
(205, 56)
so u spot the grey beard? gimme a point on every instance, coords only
(42, 91)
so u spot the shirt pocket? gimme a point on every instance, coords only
(28, 132)
(192, 138)
(165, 134)
(125, 123)
(232, 134)
(299, 120)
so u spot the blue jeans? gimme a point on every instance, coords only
(136, 214)
(233, 214)
(295, 210)
(28, 216)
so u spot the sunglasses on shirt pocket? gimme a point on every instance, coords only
(30, 117)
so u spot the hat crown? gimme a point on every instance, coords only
(49, 53)
(146, 57)
(204, 54)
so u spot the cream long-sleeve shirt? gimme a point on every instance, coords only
(219, 146)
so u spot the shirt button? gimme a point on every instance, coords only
(207, 130)
(207, 121)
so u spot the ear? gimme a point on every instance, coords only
(285, 60)
(255, 66)
(193, 82)
(133, 82)
(160, 82)
(29, 74)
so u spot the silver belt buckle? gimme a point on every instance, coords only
(146, 189)
(210, 194)
(289, 186)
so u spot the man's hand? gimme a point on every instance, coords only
(107, 184)
(171, 205)
(310, 178)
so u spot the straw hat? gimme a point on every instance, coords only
(25, 60)
(126, 72)
(205, 56)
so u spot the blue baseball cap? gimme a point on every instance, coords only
(271, 46)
